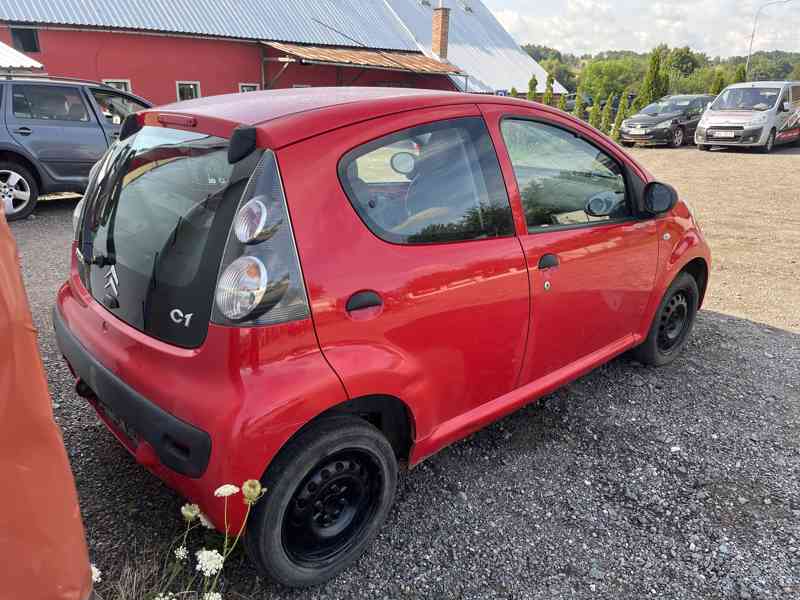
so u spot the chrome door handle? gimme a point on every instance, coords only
(24, 130)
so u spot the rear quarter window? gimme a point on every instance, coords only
(434, 183)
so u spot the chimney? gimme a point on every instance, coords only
(441, 30)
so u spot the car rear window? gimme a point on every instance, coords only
(434, 183)
(158, 215)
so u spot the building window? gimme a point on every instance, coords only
(248, 87)
(123, 85)
(25, 40)
(188, 90)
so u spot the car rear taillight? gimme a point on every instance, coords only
(260, 281)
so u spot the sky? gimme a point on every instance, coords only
(716, 27)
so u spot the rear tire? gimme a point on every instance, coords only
(767, 148)
(19, 191)
(627, 144)
(328, 493)
(703, 147)
(672, 323)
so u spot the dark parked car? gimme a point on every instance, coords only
(53, 130)
(671, 121)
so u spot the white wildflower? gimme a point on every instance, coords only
(190, 512)
(181, 553)
(212, 596)
(205, 521)
(97, 575)
(226, 490)
(209, 562)
(251, 490)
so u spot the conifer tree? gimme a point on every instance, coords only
(532, 84)
(621, 113)
(605, 123)
(548, 91)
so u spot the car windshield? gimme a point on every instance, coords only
(746, 99)
(668, 105)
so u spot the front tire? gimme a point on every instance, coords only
(678, 138)
(328, 493)
(767, 148)
(19, 191)
(672, 323)
(703, 147)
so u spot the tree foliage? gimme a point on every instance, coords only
(682, 70)
(605, 123)
(621, 114)
(514, 92)
(532, 84)
(548, 91)
(594, 114)
(580, 107)
(562, 103)
(718, 83)
(739, 75)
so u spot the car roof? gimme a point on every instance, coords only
(292, 114)
(45, 80)
(752, 84)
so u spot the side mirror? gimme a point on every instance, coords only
(659, 197)
(601, 205)
(403, 163)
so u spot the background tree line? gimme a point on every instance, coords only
(681, 70)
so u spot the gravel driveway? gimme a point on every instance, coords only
(633, 482)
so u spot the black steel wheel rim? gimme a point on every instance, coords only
(332, 507)
(674, 322)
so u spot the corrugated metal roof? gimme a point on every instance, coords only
(478, 44)
(327, 22)
(11, 59)
(414, 62)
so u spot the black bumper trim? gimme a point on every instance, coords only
(180, 446)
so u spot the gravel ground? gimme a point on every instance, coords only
(633, 482)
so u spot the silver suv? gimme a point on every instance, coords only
(52, 131)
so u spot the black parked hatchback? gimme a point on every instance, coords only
(52, 131)
(671, 121)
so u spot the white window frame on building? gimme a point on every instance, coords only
(123, 85)
(249, 87)
(196, 85)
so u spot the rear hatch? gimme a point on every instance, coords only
(154, 228)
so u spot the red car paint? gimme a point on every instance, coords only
(466, 333)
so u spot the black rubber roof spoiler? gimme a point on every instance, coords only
(243, 142)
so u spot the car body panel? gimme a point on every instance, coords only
(740, 126)
(640, 128)
(432, 337)
(61, 151)
(458, 336)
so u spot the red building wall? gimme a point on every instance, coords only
(154, 63)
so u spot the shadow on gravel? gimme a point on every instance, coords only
(631, 482)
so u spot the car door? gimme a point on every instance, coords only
(591, 257)
(694, 113)
(416, 280)
(111, 108)
(54, 124)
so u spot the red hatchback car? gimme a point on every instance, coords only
(315, 286)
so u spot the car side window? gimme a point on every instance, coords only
(434, 183)
(563, 179)
(48, 102)
(115, 107)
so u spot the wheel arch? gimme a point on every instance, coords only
(17, 157)
(697, 268)
(387, 413)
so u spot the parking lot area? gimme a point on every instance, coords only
(632, 482)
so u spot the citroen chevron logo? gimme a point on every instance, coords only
(112, 282)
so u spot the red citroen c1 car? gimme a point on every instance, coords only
(315, 286)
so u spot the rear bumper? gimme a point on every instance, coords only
(178, 445)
